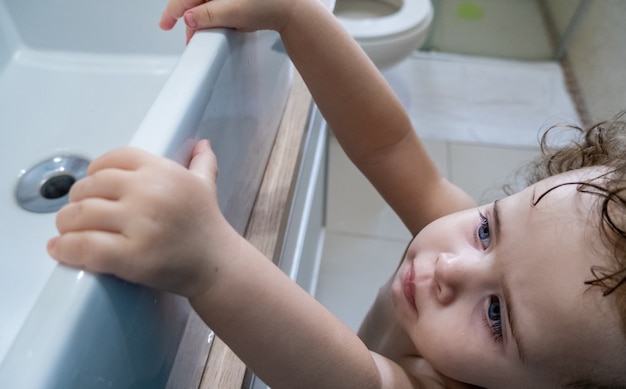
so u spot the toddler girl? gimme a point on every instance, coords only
(523, 292)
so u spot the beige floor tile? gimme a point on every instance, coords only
(483, 170)
(352, 270)
(353, 204)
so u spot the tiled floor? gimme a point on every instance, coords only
(481, 99)
(365, 239)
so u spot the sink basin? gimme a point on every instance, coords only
(80, 78)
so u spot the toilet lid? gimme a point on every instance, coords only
(411, 15)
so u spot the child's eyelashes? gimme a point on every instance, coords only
(483, 233)
(493, 318)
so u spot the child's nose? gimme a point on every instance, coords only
(458, 273)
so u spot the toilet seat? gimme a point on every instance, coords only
(411, 15)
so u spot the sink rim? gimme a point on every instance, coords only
(73, 289)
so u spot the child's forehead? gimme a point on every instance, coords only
(559, 208)
(546, 256)
(556, 249)
(553, 190)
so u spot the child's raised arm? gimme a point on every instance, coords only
(149, 220)
(358, 104)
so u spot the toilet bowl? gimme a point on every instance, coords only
(387, 30)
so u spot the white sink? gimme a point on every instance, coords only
(82, 77)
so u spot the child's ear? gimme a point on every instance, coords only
(203, 161)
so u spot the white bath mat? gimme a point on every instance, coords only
(481, 100)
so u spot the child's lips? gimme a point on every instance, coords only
(408, 287)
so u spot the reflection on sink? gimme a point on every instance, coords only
(81, 78)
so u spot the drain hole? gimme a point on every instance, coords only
(57, 186)
(45, 186)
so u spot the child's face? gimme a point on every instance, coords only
(494, 296)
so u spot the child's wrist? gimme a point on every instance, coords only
(221, 255)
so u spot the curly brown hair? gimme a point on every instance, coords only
(602, 145)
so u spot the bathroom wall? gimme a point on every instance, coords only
(561, 12)
(8, 37)
(516, 29)
(597, 54)
(512, 29)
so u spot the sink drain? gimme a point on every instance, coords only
(45, 186)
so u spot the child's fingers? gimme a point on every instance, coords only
(203, 161)
(96, 251)
(189, 34)
(174, 10)
(126, 158)
(167, 21)
(106, 184)
(203, 145)
(91, 214)
(212, 14)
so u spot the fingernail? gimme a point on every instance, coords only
(51, 244)
(190, 20)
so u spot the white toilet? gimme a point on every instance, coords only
(388, 30)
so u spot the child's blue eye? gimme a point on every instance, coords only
(494, 317)
(483, 233)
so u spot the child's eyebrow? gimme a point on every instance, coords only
(512, 323)
(496, 218)
(506, 291)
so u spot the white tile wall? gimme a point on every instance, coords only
(498, 28)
